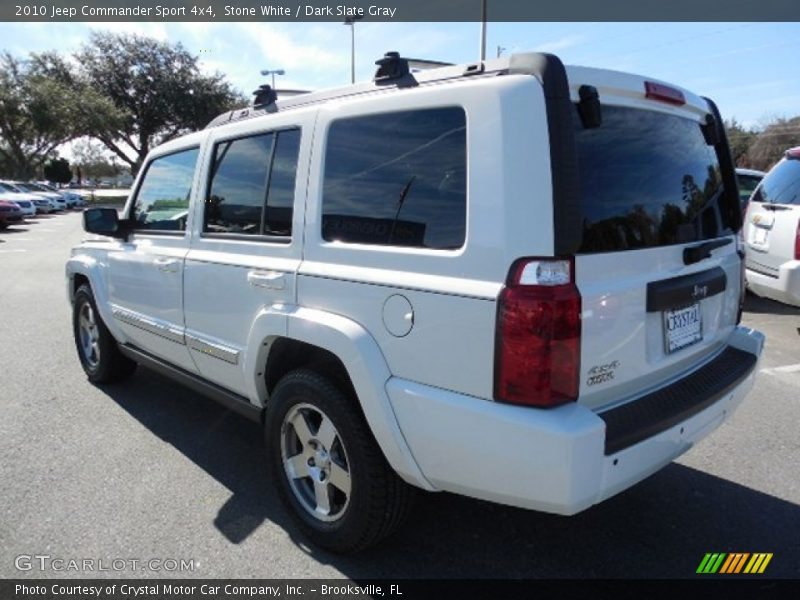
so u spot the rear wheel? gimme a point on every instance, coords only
(328, 468)
(97, 349)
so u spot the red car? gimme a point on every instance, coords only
(9, 213)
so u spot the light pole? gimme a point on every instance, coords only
(351, 21)
(483, 30)
(273, 72)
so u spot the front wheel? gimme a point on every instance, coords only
(97, 349)
(328, 468)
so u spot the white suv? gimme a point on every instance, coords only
(772, 233)
(511, 280)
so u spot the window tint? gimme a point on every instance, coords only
(280, 199)
(647, 179)
(782, 184)
(238, 179)
(162, 202)
(397, 179)
(248, 174)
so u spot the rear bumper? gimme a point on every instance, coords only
(783, 288)
(557, 460)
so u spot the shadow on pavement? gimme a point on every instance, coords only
(755, 304)
(660, 528)
(13, 228)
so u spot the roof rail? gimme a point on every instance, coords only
(392, 75)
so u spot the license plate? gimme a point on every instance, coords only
(682, 327)
(760, 235)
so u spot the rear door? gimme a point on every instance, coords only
(771, 220)
(248, 239)
(658, 268)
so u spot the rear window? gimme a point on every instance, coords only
(647, 179)
(781, 185)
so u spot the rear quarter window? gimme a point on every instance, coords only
(397, 179)
(781, 185)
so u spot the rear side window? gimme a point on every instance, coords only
(782, 184)
(647, 179)
(162, 202)
(251, 186)
(397, 179)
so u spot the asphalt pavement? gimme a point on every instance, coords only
(148, 470)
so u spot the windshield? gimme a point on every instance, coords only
(647, 179)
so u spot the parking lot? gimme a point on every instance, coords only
(148, 470)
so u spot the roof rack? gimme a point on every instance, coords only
(391, 74)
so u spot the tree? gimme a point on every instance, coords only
(58, 171)
(740, 140)
(94, 161)
(38, 113)
(157, 89)
(770, 144)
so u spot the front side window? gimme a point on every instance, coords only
(162, 202)
(251, 187)
(397, 179)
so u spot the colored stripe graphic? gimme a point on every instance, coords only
(758, 563)
(711, 563)
(734, 562)
(722, 563)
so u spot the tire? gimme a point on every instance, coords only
(378, 500)
(97, 349)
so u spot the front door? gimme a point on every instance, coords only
(145, 275)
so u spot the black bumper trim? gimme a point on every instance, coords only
(640, 419)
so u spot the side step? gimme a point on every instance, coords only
(235, 402)
(640, 419)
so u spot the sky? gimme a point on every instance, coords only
(750, 69)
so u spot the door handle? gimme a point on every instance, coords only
(167, 265)
(272, 280)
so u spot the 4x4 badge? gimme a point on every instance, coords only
(602, 373)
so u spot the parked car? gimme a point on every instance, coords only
(59, 201)
(74, 200)
(10, 213)
(748, 180)
(562, 335)
(26, 202)
(45, 205)
(772, 233)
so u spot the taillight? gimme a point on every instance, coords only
(538, 337)
(664, 93)
(797, 242)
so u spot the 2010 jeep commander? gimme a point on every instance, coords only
(511, 280)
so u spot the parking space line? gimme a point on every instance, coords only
(784, 369)
(10, 251)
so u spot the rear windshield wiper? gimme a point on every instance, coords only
(702, 251)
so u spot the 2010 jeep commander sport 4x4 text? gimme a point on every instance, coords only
(511, 280)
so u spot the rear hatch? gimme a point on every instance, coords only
(658, 267)
(771, 223)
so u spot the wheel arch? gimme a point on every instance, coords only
(345, 351)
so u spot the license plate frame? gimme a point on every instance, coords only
(683, 327)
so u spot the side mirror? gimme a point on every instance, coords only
(104, 221)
